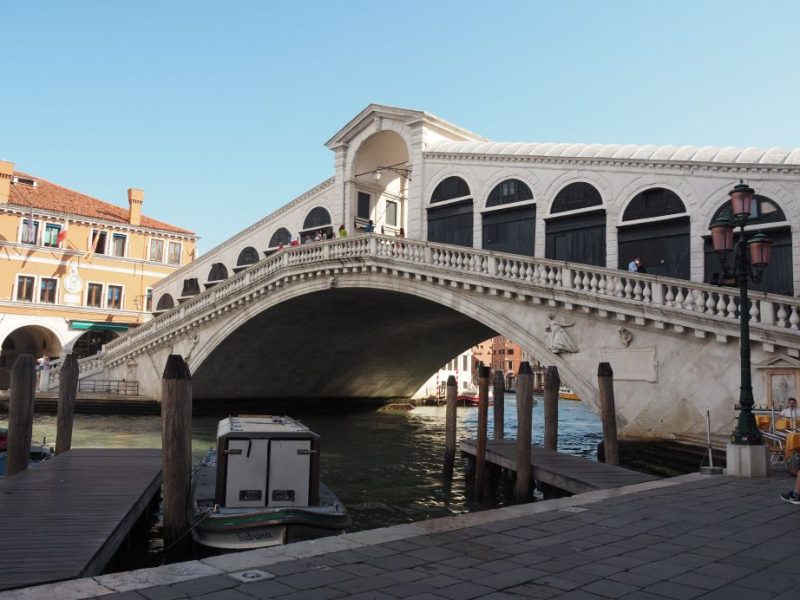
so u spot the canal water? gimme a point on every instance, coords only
(386, 467)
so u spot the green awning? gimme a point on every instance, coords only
(86, 325)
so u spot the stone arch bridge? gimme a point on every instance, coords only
(373, 315)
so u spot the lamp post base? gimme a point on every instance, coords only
(747, 460)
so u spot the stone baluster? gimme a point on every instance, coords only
(782, 315)
(794, 318)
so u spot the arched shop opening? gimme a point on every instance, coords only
(451, 221)
(576, 228)
(92, 340)
(248, 256)
(317, 221)
(35, 340)
(767, 218)
(282, 237)
(218, 273)
(655, 228)
(509, 220)
(165, 303)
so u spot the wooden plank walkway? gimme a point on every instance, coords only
(65, 518)
(564, 471)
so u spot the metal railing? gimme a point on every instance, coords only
(109, 386)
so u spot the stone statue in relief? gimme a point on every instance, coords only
(556, 337)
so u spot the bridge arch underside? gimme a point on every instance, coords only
(355, 343)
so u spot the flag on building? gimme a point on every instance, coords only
(30, 234)
(62, 235)
(95, 241)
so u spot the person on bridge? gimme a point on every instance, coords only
(342, 231)
(369, 227)
(633, 266)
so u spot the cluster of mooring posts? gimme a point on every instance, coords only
(94, 502)
(505, 462)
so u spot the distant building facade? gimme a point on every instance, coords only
(459, 367)
(76, 271)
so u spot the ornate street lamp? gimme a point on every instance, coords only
(749, 261)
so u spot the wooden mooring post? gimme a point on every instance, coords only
(67, 392)
(450, 427)
(499, 404)
(552, 381)
(20, 413)
(524, 427)
(483, 418)
(605, 381)
(176, 444)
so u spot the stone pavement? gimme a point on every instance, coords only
(689, 537)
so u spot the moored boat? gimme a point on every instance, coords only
(566, 393)
(260, 487)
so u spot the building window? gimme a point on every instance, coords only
(114, 297)
(47, 290)
(464, 363)
(391, 212)
(94, 295)
(363, 205)
(118, 244)
(30, 233)
(156, 251)
(174, 254)
(98, 242)
(148, 300)
(25, 285)
(51, 231)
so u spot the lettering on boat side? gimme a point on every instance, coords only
(248, 536)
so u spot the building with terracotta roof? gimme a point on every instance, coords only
(74, 270)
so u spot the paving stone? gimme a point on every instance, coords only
(229, 594)
(315, 578)
(535, 590)
(508, 579)
(315, 594)
(670, 589)
(702, 581)
(409, 589)
(205, 585)
(364, 584)
(634, 579)
(773, 580)
(129, 596)
(464, 591)
(609, 589)
(265, 589)
(469, 574)
(395, 561)
(362, 569)
(733, 591)
(434, 554)
(161, 592)
(408, 575)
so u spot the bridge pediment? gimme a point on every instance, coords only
(374, 114)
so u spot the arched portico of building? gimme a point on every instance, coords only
(381, 174)
(35, 340)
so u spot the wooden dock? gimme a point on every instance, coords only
(66, 517)
(564, 471)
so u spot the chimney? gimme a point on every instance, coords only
(135, 199)
(6, 172)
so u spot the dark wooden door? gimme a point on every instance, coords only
(579, 238)
(777, 278)
(451, 224)
(510, 230)
(663, 247)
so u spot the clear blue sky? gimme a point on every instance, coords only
(219, 111)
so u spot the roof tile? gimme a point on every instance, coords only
(52, 197)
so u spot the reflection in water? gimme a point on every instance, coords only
(386, 467)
